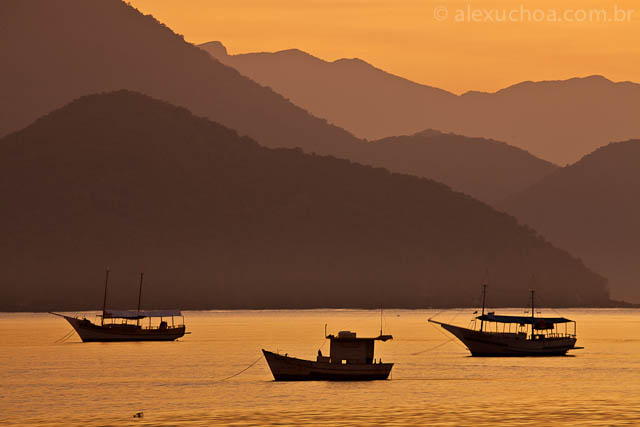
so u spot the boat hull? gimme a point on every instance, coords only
(285, 368)
(489, 344)
(90, 332)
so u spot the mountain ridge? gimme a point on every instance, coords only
(591, 208)
(113, 46)
(140, 54)
(556, 120)
(218, 221)
(486, 169)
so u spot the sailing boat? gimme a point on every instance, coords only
(500, 335)
(126, 325)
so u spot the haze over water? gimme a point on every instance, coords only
(178, 383)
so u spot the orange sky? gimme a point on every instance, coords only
(405, 38)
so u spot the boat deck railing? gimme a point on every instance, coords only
(143, 323)
(526, 330)
(158, 327)
(558, 335)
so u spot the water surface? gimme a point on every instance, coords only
(434, 380)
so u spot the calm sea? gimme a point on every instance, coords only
(434, 382)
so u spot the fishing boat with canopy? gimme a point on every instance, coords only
(129, 325)
(351, 358)
(501, 335)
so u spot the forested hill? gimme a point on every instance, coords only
(217, 221)
(592, 208)
(55, 52)
(483, 168)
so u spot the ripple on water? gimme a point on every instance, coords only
(178, 383)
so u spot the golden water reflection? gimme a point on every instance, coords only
(178, 383)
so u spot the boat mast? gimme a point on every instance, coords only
(104, 302)
(140, 296)
(380, 321)
(484, 295)
(532, 312)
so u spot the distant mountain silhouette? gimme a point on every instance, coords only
(592, 208)
(557, 120)
(55, 52)
(486, 169)
(216, 220)
(348, 92)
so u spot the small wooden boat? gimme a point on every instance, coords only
(350, 359)
(499, 335)
(128, 325)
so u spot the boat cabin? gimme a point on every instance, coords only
(347, 348)
(528, 327)
(157, 319)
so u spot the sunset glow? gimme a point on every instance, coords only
(454, 45)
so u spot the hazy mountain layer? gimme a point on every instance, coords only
(559, 121)
(592, 208)
(57, 51)
(486, 169)
(216, 220)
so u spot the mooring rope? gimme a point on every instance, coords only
(450, 338)
(65, 337)
(434, 347)
(438, 313)
(324, 341)
(238, 373)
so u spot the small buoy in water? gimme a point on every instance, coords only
(138, 414)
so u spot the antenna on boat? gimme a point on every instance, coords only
(380, 321)
(140, 295)
(104, 302)
(484, 297)
(532, 308)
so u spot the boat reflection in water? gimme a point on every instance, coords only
(499, 335)
(350, 359)
(129, 325)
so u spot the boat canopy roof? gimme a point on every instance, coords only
(351, 336)
(523, 320)
(135, 314)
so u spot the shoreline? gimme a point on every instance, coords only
(262, 309)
